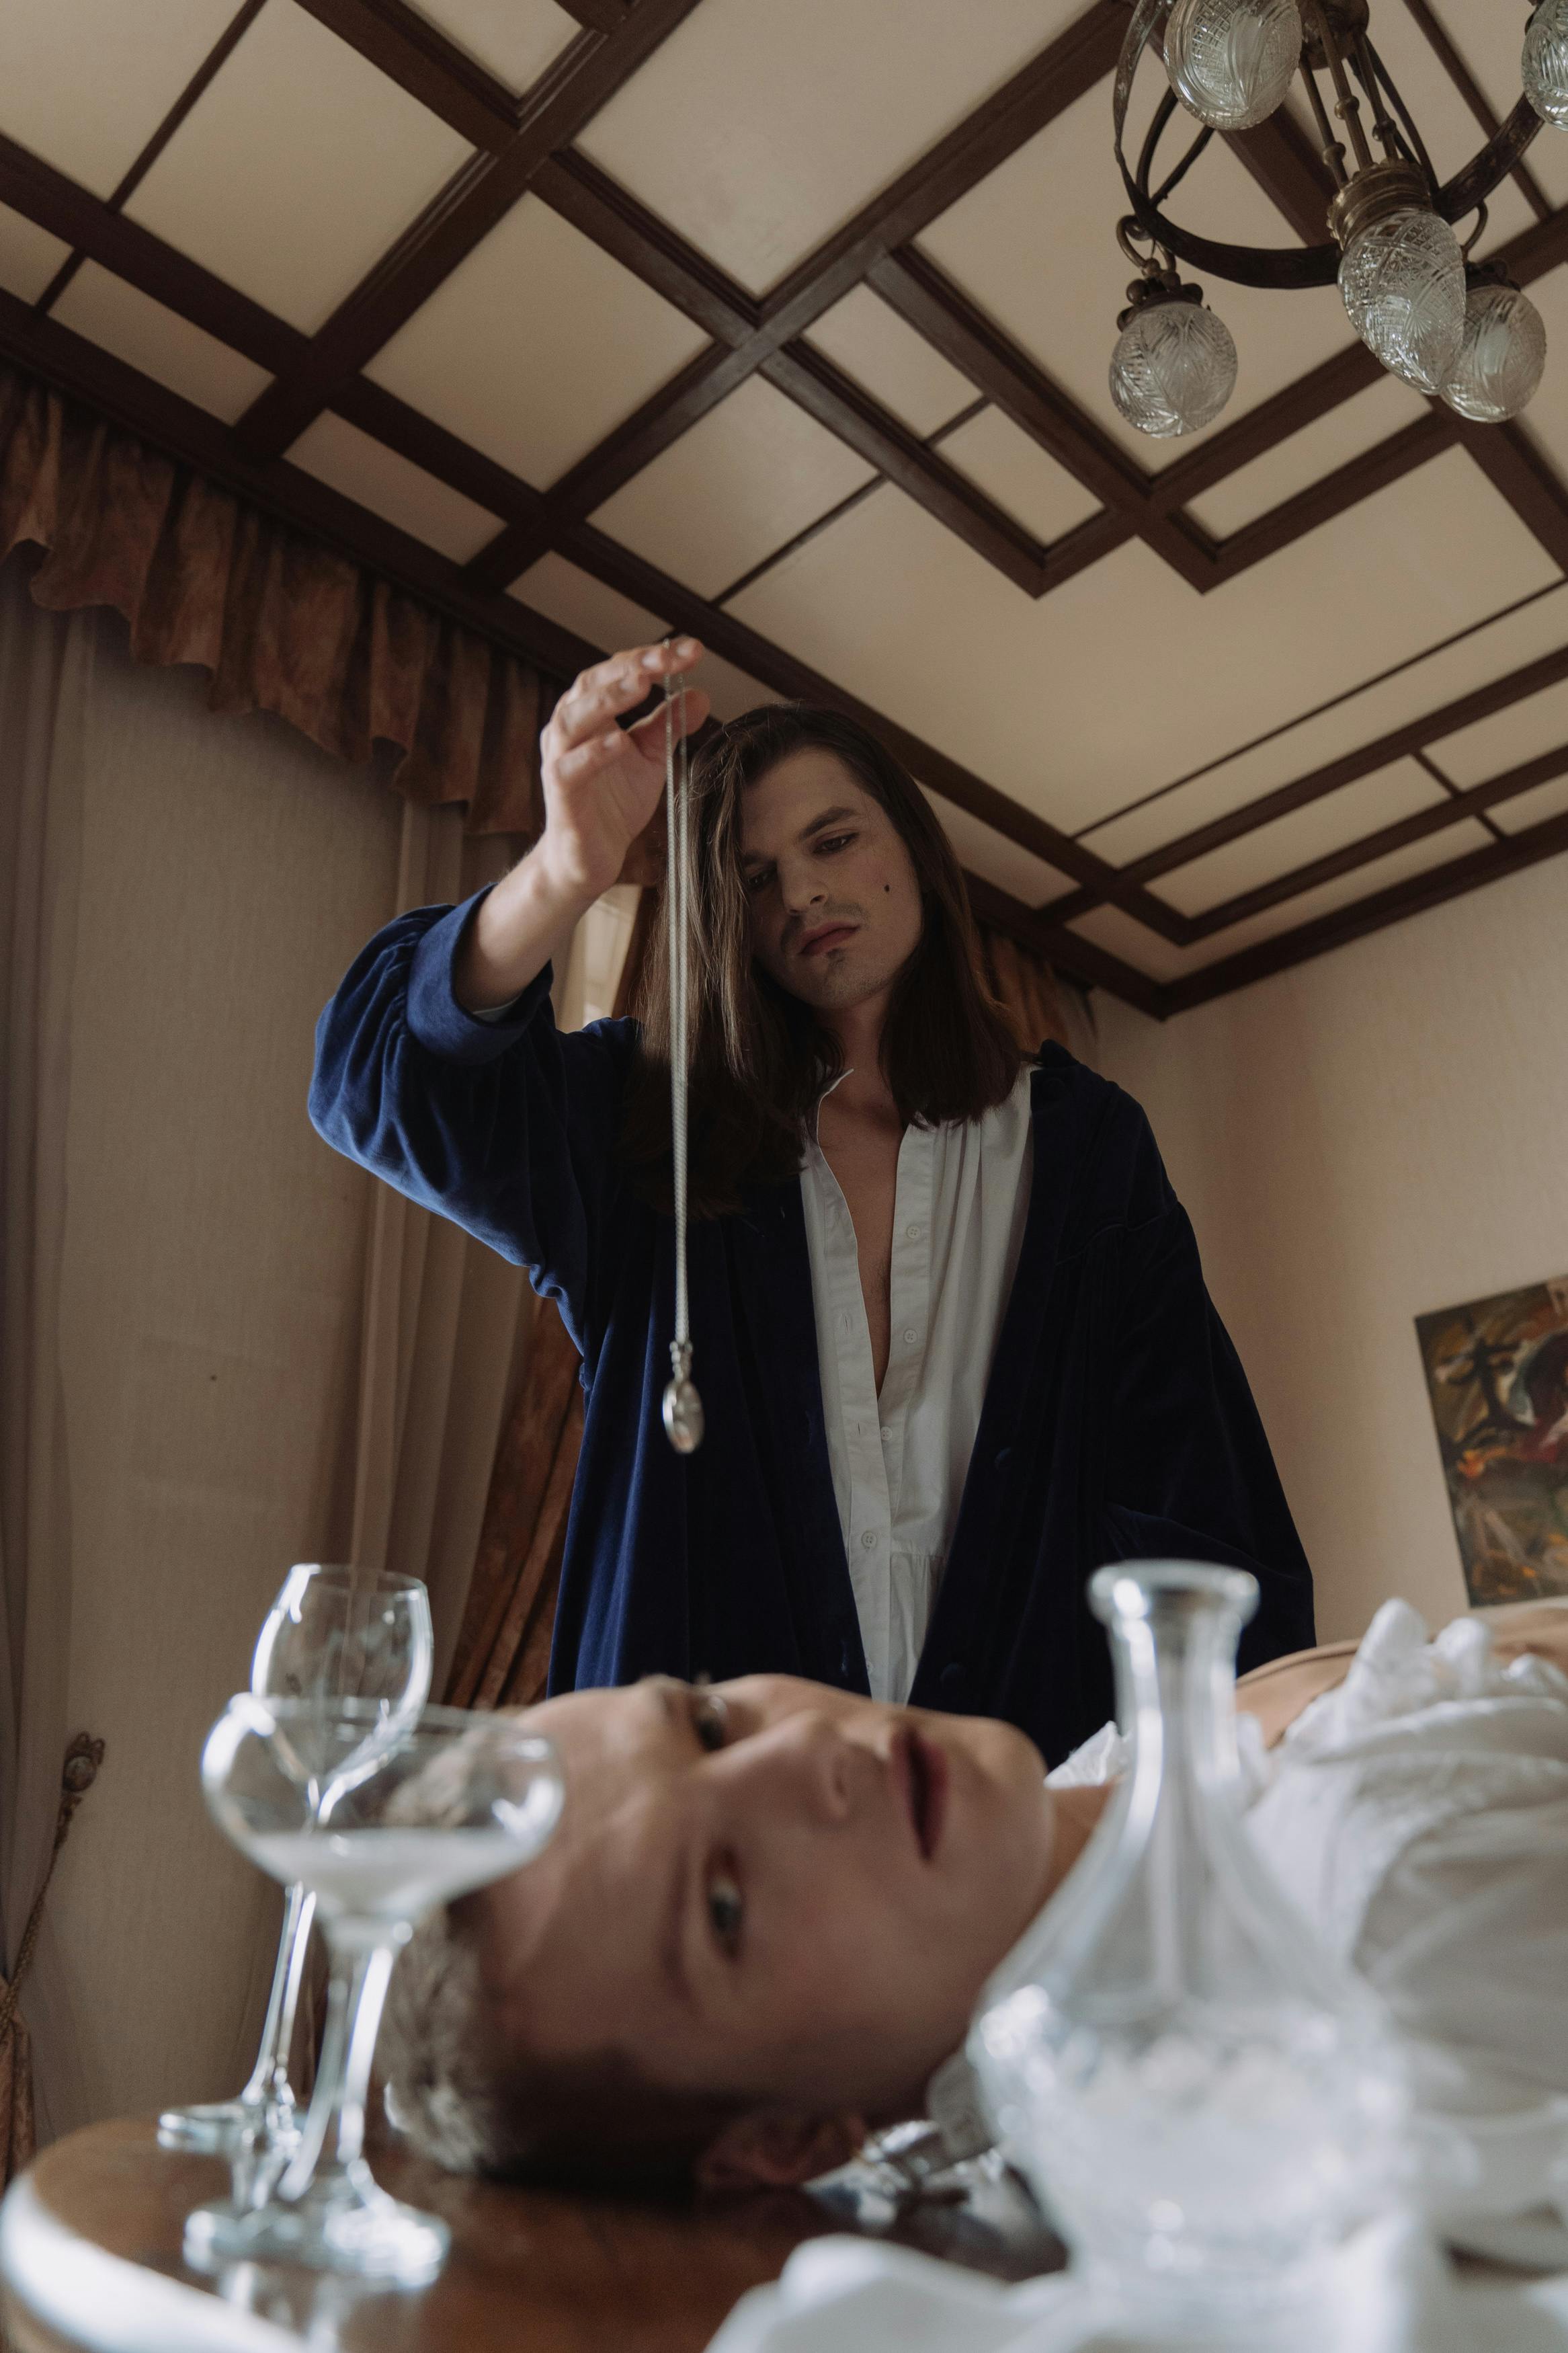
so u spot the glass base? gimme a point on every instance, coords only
(368, 2235)
(223, 2128)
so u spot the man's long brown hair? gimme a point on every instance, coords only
(760, 1056)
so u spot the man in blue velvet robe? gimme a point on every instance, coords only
(1116, 1422)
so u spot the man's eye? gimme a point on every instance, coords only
(836, 841)
(726, 1910)
(757, 882)
(710, 1719)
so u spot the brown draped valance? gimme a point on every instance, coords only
(282, 623)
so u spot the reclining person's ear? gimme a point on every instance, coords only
(778, 2148)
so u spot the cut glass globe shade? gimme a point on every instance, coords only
(1501, 357)
(1403, 279)
(1543, 69)
(1230, 61)
(1174, 368)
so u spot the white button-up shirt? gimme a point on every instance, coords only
(899, 1460)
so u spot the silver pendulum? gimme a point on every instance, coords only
(683, 1406)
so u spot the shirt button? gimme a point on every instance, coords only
(911, 1334)
(868, 1541)
(887, 1433)
(913, 1232)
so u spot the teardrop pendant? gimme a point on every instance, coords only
(683, 1420)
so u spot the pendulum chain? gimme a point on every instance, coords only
(683, 1406)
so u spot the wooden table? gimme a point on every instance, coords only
(90, 2262)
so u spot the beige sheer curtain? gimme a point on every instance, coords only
(257, 1355)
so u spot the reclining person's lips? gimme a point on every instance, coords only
(922, 1771)
(836, 935)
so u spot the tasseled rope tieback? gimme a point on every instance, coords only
(78, 1775)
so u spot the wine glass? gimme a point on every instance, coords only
(332, 1633)
(379, 1840)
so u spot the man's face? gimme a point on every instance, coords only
(835, 903)
(767, 1888)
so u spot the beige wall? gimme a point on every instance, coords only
(1377, 1133)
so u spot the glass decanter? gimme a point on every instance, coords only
(1192, 2086)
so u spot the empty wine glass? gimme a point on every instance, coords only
(332, 1633)
(379, 1840)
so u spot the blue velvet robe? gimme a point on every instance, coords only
(1118, 1424)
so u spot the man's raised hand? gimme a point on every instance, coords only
(602, 785)
(602, 781)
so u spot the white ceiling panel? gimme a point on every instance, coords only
(880, 351)
(756, 130)
(1503, 645)
(1035, 245)
(1110, 928)
(1383, 408)
(730, 690)
(1025, 483)
(996, 855)
(1533, 807)
(297, 168)
(1071, 702)
(513, 39)
(365, 470)
(580, 603)
(745, 479)
(29, 256)
(557, 344)
(1312, 831)
(124, 321)
(85, 83)
(1518, 733)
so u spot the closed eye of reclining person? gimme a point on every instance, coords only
(772, 1907)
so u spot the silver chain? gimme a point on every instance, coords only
(683, 1406)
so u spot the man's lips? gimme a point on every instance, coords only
(922, 1771)
(831, 936)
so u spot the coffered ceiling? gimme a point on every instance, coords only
(789, 326)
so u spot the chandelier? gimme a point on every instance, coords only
(1445, 324)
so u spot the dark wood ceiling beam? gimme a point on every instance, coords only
(929, 301)
(588, 72)
(597, 16)
(1481, 703)
(1524, 478)
(1422, 823)
(1291, 174)
(671, 411)
(410, 51)
(46, 197)
(1450, 880)
(601, 209)
(760, 657)
(813, 383)
(86, 373)
(1415, 444)
(1263, 428)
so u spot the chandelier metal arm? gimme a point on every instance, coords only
(1271, 266)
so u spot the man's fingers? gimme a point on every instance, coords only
(585, 760)
(649, 733)
(612, 687)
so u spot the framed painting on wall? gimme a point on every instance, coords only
(1496, 1372)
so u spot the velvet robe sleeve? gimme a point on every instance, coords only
(507, 1127)
(1189, 1473)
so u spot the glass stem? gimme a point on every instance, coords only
(269, 2085)
(332, 2142)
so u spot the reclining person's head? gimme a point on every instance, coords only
(765, 1920)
